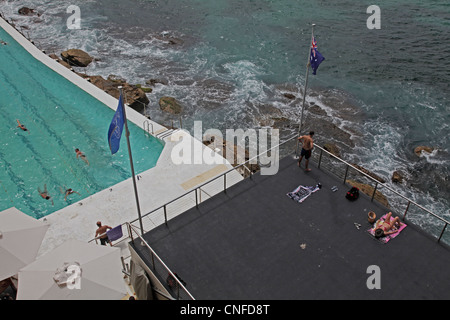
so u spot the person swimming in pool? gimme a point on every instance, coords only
(67, 192)
(21, 126)
(81, 155)
(44, 194)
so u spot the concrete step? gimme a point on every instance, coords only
(165, 134)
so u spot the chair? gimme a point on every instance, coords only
(114, 233)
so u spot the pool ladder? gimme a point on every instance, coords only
(147, 125)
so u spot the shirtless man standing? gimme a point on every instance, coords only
(101, 231)
(308, 145)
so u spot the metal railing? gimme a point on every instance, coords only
(336, 166)
(345, 171)
(199, 187)
(158, 267)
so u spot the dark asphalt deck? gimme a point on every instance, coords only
(246, 244)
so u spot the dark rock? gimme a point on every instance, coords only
(326, 128)
(153, 82)
(332, 148)
(280, 122)
(146, 90)
(115, 78)
(55, 57)
(317, 110)
(170, 40)
(25, 11)
(76, 57)
(289, 96)
(420, 149)
(170, 105)
(134, 96)
(397, 177)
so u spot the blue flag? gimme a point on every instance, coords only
(316, 57)
(116, 128)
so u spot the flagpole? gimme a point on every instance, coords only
(127, 134)
(306, 85)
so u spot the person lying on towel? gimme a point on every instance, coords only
(387, 227)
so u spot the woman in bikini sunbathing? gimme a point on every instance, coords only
(388, 226)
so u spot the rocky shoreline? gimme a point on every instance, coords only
(135, 95)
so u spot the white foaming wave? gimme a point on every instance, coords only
(245, 74)
(427, 105)
(383, 155)
(380, 150)
(433, 158)
(243, 68)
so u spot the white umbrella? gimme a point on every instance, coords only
(98, 277)
(20, 239)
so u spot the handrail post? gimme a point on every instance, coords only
(130, 232)
(196, 198)
(225, 182)
(346, 172)
(320, 159)
(165, 215)
(407, 207)
(374, 191)
(153, 260)
(442, 233)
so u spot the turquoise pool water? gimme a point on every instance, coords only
(59, 117)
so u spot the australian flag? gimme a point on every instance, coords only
(316, 57)
(116, 128)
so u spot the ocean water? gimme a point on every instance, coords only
(230, 63)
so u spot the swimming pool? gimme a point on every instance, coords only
(59, 117)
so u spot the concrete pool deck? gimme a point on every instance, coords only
(156, 186)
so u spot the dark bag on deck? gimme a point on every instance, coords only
(352, 194)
